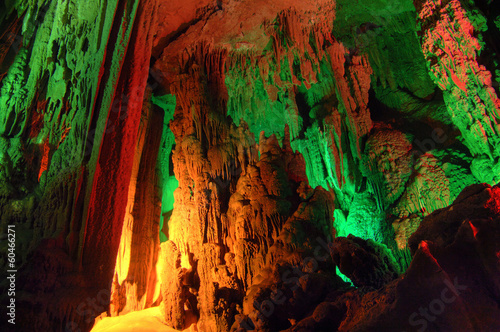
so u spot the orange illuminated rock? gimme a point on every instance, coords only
(235, 165)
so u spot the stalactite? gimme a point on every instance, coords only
(212, 165)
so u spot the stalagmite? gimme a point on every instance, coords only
(242, 165)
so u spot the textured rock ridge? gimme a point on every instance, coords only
(255, 165)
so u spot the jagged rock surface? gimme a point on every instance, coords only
(451, 284)
(197, 158)
(366, 263)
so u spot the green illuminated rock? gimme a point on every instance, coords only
(202, 150)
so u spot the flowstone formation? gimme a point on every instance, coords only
(467, 84)
(248, 165)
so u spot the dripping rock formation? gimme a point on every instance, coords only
(237, 165)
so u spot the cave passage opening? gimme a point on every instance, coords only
(167, 180)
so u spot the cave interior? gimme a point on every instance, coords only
(250, 165)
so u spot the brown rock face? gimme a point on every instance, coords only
(451, 283)
(367, 263)
(254, 213)
(388, 163)
(250, 165)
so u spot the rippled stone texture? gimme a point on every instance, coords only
(191, 164)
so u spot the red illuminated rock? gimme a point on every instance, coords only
(451, 44)
(450, 284)
(296, 131)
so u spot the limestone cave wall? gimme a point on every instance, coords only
(248, 165)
